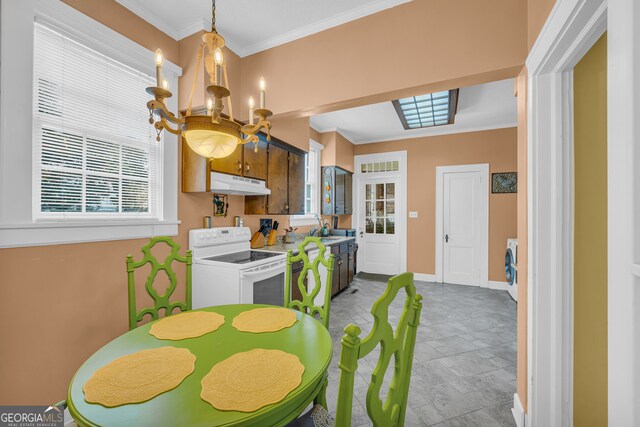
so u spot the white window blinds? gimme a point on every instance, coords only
(95, 152)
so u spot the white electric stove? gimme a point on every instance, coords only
(227, 271)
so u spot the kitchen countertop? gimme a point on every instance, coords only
(283, 247)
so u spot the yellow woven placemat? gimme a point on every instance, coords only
(186, 325)
(268, 319)
(249, 380)
(140, 376)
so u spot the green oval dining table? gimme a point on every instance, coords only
(307, 338)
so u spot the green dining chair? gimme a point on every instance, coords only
(398, 345)
(159, 301)
(307, 304)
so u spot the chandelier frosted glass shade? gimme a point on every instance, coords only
(211, 140)
(211, 144)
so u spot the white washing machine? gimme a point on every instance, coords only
(511, 267)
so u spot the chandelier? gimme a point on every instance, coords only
(213, 135)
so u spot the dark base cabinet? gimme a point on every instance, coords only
(344, 265)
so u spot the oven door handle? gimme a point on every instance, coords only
(276, 268)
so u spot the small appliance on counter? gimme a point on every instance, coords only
(346, 232)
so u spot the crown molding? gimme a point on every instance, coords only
(149, 16)
(316, 27)
(194, 27)
(203, 24)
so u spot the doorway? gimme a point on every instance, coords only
(380, 212)
(462, 224)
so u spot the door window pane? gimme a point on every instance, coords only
(379, 209)
(391, 227)
(391, 208)
(379, 191)
(368, 209)
(369, 225)
(391, 190)
(379, 225)
(367, 191)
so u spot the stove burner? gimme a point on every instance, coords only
(243, 257)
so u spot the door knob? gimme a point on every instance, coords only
(446, 238)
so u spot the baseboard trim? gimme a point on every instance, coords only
(518, 411)
(421, 277)
(501, 286)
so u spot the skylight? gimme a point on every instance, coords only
(432, 109)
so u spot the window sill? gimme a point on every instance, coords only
(298, 220)
(58, 233)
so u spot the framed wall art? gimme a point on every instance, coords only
(504, 182)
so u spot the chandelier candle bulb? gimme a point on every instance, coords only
(209, 106)
(217, 57)
(263, 87)
(158, 58)
(251, 105)
(165, 84)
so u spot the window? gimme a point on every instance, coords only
(432, 109)
(311, 187)
(79, 160)
(95, 152)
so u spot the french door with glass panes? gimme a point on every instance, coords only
(379, 242)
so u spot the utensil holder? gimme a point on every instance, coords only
(257, 241)
(273, 238)
(289, 238)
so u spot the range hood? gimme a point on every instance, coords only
(231, 184)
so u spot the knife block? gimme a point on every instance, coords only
(257, 241)
(273, 238)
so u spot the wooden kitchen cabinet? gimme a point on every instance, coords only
(278, 181)
(231, 164)
(296, 183)
(255, 162)
(344, 270)
(336, 191)
(335, 280)
(344, 265)
(285, 179)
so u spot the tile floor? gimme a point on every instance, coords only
(464, 371)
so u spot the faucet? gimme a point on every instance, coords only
(314, 230)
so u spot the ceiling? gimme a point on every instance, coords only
(250, 26)
(482, 107)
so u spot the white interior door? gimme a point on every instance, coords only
(379, 242)
(464, 226)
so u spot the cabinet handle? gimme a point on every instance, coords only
(247, 166)
(239, 166)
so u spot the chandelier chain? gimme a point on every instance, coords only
(213, 16)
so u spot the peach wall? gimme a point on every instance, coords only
(292, 131)
(496, 147)
(314, 134)
(338, 150)
(537, 14)
(408, 47)
(521, 85)
(125, 22)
